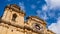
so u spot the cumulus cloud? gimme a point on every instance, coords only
(55, 27)
(41, 14)
(22, 6)
(53, 3)
(44, 7)
(50, 10)
(51, 7)
(46, 10)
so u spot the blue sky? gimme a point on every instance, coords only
(48, 10)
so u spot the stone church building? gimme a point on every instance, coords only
(12, 22)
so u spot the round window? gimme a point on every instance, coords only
(37, 26)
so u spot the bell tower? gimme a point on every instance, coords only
(36, 24)
(12, 22)
(13, 15)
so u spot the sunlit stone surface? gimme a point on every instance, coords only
(12, 22)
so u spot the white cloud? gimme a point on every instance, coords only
(33, 6)
(41, 14)
(21, 4)
(38, 12)
(45, 16)
(52, 14)
(55, 27)
(44, 7)
(53, 3)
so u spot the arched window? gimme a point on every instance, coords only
(14, 17)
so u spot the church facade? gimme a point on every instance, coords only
(12, 22)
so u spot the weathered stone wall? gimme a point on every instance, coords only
(8, 29)
(10, 24)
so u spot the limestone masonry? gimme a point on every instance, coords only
(12, 22)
